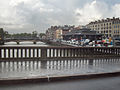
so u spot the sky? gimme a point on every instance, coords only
(19, 16)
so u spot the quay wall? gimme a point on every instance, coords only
(57, 78)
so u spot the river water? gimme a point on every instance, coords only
(32, 69)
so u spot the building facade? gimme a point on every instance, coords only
(83, 33)
(109, 27)
(56, 32)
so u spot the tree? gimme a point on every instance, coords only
(1, 34)
(42, 34)
(6, 34)
(34, 34)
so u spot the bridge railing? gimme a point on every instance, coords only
(8, 52)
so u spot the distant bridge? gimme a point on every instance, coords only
(34, 40)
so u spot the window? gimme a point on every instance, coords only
(110, 27)
(107, 35)
(117, 22)
(109, 31)
(114, 31)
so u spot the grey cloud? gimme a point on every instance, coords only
(45, 19)
(40, 14)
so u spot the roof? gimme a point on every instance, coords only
(84, 31)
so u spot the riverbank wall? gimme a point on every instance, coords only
(48, 79)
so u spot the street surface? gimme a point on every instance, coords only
(111, 83)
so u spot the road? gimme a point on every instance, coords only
(110, 83)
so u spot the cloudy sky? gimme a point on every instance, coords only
(29, 15)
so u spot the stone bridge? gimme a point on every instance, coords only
(34, 40)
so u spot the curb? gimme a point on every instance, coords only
(57, 78)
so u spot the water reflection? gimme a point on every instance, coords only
(31, 68)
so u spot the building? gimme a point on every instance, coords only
(116, 28)
(83, 33)
(50, 32)
(56, 32)
(109, 27)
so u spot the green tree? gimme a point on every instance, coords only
(1, 34)
(42, 34)
(34, 34)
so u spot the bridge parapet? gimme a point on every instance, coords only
(7, 52)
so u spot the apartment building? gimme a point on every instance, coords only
(116, 28)
(109, 27)
(56, 32)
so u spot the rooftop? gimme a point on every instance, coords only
(105, 20)
(84, 31)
